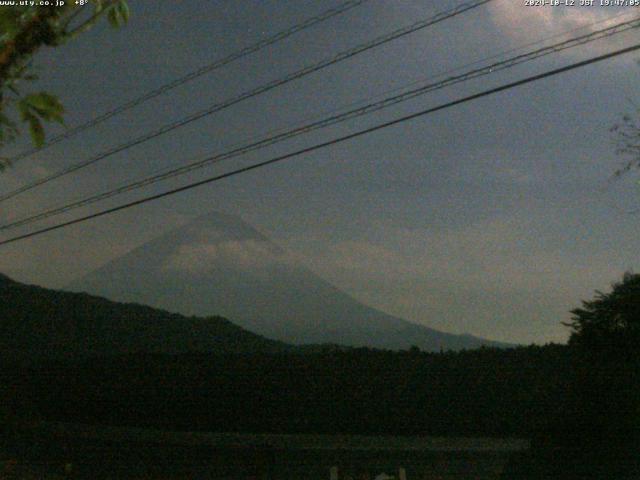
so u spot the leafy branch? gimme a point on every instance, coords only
(25, 30)
(627, 142)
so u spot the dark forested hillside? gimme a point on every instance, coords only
(37, 322)
(127, 364)
(480, 392)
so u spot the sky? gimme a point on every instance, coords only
(495, 217)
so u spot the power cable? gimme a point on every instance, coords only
(193, 75)
(334, 141)
(252, 93)
(326, 122)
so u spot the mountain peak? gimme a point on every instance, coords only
(219, 265)
(218, 226)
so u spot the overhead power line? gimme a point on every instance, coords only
(335, 119)
(253, 93)
(334, 141)
(309, 22)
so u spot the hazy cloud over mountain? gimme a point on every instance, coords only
(235, 271)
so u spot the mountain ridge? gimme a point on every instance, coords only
(36, 322)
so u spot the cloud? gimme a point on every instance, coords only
(525, 24)
(501, 253)
(199, 258)
(508, 278)
(362, 255)
(54, 260)
(514, 175)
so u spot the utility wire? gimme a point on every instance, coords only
(326, 15)
(253, 93)
(334, 141)
(332, 120)
(363, 101)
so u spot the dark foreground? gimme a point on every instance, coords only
(110, 453)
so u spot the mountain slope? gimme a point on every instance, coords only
(37, 322)
(218, 264)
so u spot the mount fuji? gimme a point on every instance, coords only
(219, 265)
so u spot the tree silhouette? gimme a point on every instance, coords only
(596, 432)
(611, 321)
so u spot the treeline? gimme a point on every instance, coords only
(481, 392)
(39, 323)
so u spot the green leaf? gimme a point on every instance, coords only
(124, 11)
(44, 101)
(118, 14)
(36, 130)
(11, 20)
(46, 106)
(51, 116)
(24, 110)
(9, 24)
(112, 16)
(99, 5)
(32, 109)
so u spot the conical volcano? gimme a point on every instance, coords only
(219, 265)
